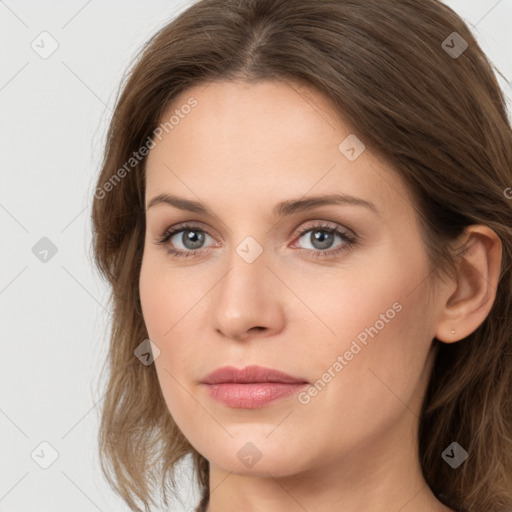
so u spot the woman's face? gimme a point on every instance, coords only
(263, 278)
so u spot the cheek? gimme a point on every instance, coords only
(153, 300)
(382, 333)
(377, 380)
(162, 308)
(170, 305)
(166, 296)
(384, 349)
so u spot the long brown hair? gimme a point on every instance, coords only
(417, 97)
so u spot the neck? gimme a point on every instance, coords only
(381, 474)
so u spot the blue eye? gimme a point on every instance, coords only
(191, 237)
(321, 237)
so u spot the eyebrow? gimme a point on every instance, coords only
(280, 210)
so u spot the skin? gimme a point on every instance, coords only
(353, 447)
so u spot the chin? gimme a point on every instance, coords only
(257, 459)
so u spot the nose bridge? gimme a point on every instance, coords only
(246, 296)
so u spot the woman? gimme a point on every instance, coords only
(304, 215)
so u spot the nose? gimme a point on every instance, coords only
(248, 301)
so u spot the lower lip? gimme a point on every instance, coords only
(252, 395)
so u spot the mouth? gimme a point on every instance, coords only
(251, 387)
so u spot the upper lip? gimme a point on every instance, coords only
(249, 374)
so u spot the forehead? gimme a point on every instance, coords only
(264, 141)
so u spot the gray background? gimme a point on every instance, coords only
(54, 114)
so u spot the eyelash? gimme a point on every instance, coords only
(349, 240)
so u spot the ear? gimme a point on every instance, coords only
(478, 272)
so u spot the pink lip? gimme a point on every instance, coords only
(251, 387)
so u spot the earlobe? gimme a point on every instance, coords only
(478, 273)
